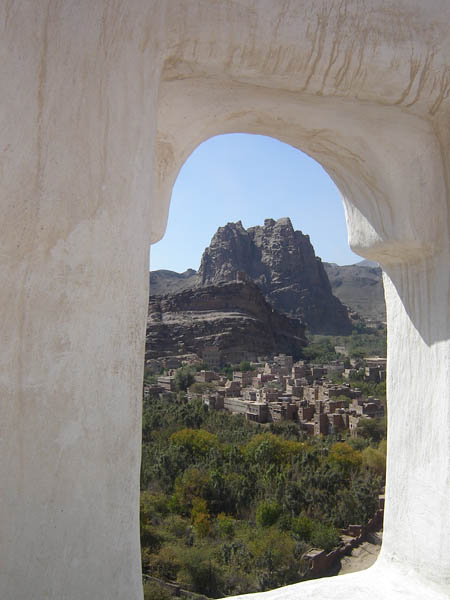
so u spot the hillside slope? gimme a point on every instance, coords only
(233, 316)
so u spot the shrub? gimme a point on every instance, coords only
(303, 527)
(324, 536)
(176, 526)
(245, 366)
(199, 570)
(153, 591)
(202, 524)
(225, 525)
(374, 459)
(267, 513)
(200, 517)
(150, 538)
(165, 564)
(152, 505)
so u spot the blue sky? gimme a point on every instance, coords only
(250, 178)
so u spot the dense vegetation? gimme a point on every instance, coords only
(229, 507)
(364, 341)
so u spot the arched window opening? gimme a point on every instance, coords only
(264, 438)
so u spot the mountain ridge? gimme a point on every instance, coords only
(271, 255)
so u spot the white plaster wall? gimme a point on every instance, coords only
(89, 91)
(77, 123)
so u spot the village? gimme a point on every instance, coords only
(324, 399)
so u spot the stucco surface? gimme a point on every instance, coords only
(101, 104)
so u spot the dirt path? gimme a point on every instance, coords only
(363, 556)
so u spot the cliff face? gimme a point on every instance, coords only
(282, 263)
(233, 316)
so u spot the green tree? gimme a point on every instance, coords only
(175, 528)
(245, 366)
(372, 429)
(202, 366)
(343, 455)
(264, 449)
(183, 379)
(197, 441)
(190, 487)
(343, 399)
(375, 458)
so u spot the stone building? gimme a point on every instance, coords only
(283, 411)
(254, 411)
(284, 361)
(243, 378)
(213, 400)
(206, 376)
(320, 423)
(167, 382)
(258, 412)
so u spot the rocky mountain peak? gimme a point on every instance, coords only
(282, 262)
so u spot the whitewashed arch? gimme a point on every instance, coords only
(101, 104)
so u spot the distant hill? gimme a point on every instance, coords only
(170, 282)
(366, 263)
(360, 287)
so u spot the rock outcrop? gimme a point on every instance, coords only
(233, 316)
(283, 264)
